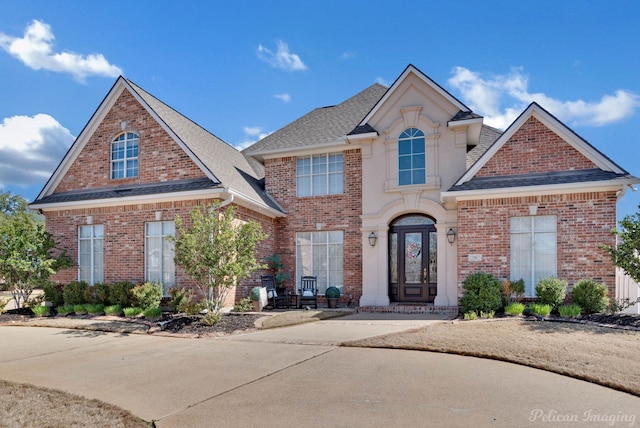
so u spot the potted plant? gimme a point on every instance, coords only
(258, 296)
(332, 294)
(277, 267)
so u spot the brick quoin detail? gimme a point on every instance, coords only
(584, 224)
(159, 159)
(124, 229)
(534, 148)
(332, 212)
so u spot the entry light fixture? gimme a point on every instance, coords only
(372, 239)
(451, 236)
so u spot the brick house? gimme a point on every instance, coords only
(395, 195)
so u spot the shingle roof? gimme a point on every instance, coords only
(229, 166)
(537, 179)
(464, 115)
(129, 190)
(488, 136)
(322, 125)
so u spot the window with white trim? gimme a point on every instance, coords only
(320, 175)
(320, 254)
(533, 250)
(159, 253)
(124, 156)
(411, 157)
(91, 253)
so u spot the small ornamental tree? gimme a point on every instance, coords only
(217, 250)
(26, 249)
(626, 254)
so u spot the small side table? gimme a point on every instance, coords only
(292, 300)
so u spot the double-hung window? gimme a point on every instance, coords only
(320, 175)
(533, 249)
(159, 254)
(91, 253)
(411, 157)
(124, 156)
(320, 254)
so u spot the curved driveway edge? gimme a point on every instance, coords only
(295, 375)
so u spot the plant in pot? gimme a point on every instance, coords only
(332, 294)
(277, 267)
(257, 299)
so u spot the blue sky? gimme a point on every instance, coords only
(243, 69)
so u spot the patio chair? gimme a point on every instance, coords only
(308, 291)
(275, 300)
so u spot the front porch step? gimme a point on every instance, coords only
(410, 309)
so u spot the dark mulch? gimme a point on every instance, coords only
(228, 324)
(625, 320)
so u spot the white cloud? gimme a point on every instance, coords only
(30, 148)
(282, 58)
(35, 50)
(486, 95)
(286, 98)
(251, 135)
(382, 81)
(347, 55)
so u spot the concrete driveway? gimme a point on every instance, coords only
(297, 376)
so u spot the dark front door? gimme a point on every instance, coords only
(413, 263)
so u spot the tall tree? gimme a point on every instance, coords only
(26, 250)
(217, 250)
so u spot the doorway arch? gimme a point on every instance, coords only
(413, 252)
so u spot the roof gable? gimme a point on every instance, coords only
(587, 156)
(412, 70)
(221, 163)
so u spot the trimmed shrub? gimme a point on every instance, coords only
(120, 293)
(115, 310)
(153, 312)
(97, 294)
(515, 308)
(64, 310)
(73, 293)
(53, 293)
(80, 309)
(95, 308)
(147, 295)
(244, 305)
(591, 295)
(132, 312)
(551, 291)
(254, 295)
(569, 311)
(540, 309)
(41, 311)
(332, 293)
(482, 293)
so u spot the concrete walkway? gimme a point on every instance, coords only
(296, 375)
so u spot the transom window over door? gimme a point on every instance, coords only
(411, 157)
(320, 175)
(124, 156)
(533, 250)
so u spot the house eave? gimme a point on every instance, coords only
(555, 189)
(334, 146)
(467, 122)
(220, 193)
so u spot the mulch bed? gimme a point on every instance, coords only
(183, 325)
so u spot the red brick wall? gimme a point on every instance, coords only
(124, 228)
(333, 212)
(159, 159)
(534, 148)
(584, 223)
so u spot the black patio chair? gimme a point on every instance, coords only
(308, 291)
(275, 300)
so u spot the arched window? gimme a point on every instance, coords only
(411, 157)
(124, 156)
